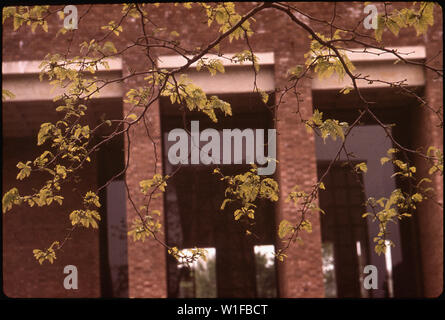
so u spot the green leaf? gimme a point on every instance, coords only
(9, 198)
(61, 171)
(174, 34)
(392, 150)
(432, 170)
(366, 214)
(306, 225)
(225, 202)
(58, 199)
(284, 229)
(109, 46)
(295, 72)
(91, 198)
(45, 26)
(25, 170)
(392, 26)
(132, 117)
(362, 167)
(44, 132)
(380, 27)
(264, 97)
(406, 215)
(383, 160)
(7, 94)
(417, 197)
(346, 90)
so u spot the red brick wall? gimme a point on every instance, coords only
(26, 229)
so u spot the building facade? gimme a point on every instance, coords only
(329, 262)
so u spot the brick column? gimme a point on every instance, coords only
(146, 260)
(300, 276)
(430, 215)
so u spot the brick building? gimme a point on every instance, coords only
(328, 263)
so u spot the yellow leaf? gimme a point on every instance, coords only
(284, 228)
(362, 166)
(132, 117)
(383, 160)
